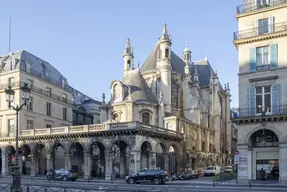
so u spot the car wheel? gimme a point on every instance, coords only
(49, 177)
(156, 181)
(131, 181)
(64, 178)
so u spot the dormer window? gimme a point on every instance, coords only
(166, 53)
(116, 117)
(116, 93)
(63, 83)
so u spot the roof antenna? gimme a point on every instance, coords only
(10, 33)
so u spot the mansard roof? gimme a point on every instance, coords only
(20, 58)
(177, 64)
(140, 91)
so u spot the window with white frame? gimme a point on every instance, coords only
(263, 99)
(11, 125)
(49, 91)
(262, 56)
(263, 26)
(11, 81)
(30, 124)
(116, 93)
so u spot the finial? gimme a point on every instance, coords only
(228, 86)
(206, 57)
(160, 96)
(104, 97)
(224, 86)
(138, 64)
(129, 90)
(186, 44)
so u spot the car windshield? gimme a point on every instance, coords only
(210, 168)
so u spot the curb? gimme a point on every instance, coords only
(282, 186)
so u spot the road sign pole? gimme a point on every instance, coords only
(236, 161)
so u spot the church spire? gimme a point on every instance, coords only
(128, 57)
(165, 36)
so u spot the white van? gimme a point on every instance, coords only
(211, 170)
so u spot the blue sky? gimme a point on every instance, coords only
(85, 40)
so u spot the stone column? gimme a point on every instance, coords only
(33, 165)
(68, 161)
(243, 167)
(4, 163)
(87, 165)
(135, 159)
(108, 165)
(283, 162)
(152, 157)
(49, 162)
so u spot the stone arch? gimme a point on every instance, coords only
(9, 146)
(35, 146)
(70, 145)
(276, 131)
(90, 144)
(114, 141)
(160, 146)
(52, 146)
(146, 140)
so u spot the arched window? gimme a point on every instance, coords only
(129, 64)
(174, 95)
(166, 53)
(115, 117)
(146, 118)
(116, 92)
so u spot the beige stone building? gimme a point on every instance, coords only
(51, 96)
(262, 43)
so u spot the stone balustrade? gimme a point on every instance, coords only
(98, 128)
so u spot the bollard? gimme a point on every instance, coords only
(249, 183)
(27, 189)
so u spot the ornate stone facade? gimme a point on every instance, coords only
(124, 147)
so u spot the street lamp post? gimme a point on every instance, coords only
(10, 93)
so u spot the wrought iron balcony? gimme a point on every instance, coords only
(249, 7)
(241, 113)
(274, 28)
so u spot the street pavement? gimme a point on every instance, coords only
(53, 186)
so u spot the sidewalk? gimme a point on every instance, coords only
(231, 183)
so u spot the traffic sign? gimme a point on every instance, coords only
(236, 157)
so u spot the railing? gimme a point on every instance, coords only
(48, 79)
(248, 7)
(50, 187)
(95, 128)
(277, 27)
(39, 91)
(237, 113)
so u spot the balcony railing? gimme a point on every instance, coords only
(134, 125)
(277, 27)
(248, 7)
(39, 91)
(48, 79)
(237, 113)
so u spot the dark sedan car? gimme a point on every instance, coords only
(187, 175)
(156, 176)
(62, 174)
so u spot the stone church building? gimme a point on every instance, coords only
(170, 113)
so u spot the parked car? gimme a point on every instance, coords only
(211, 171)
(62, 174)
(187, 175)
(154, 175)
(228, 169)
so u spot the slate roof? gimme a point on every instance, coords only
(140, 91)
(177, 64)
(204, 70)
